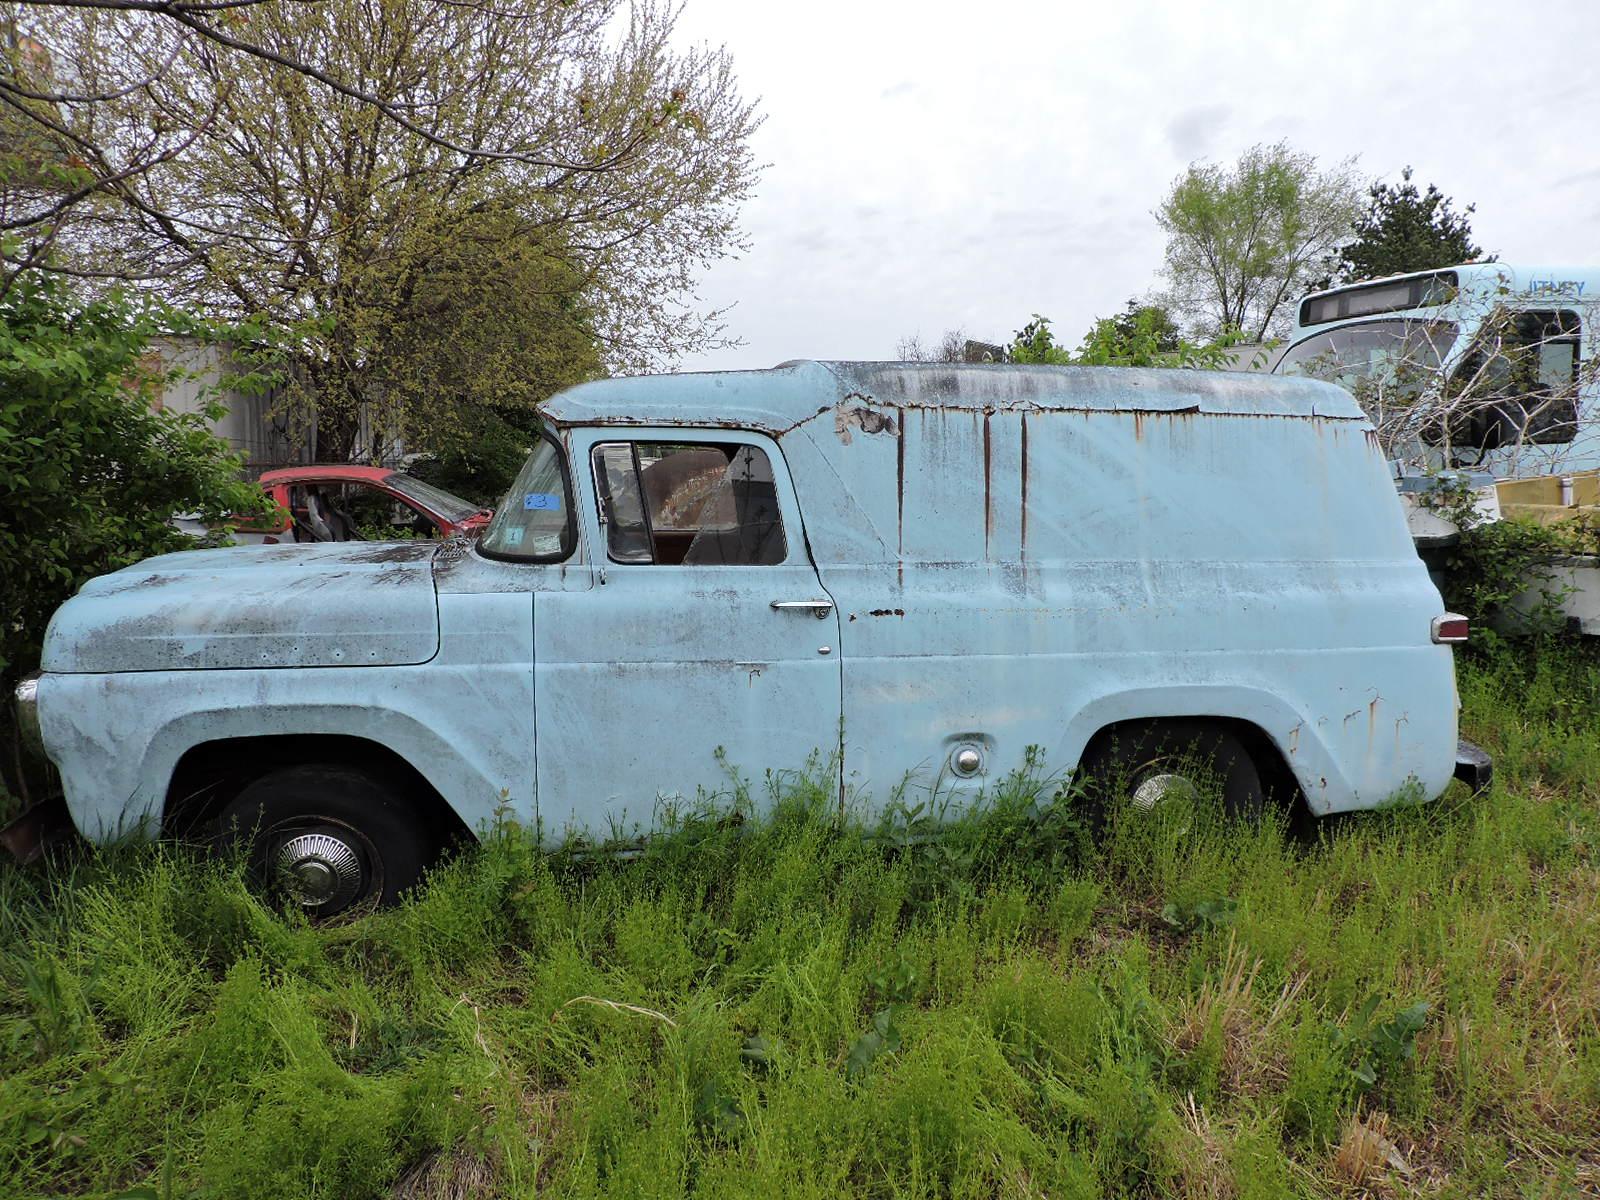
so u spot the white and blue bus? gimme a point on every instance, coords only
(1485, 365)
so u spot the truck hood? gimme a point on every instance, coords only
(324, 605)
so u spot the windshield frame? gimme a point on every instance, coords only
(425, 496)
(569, 530)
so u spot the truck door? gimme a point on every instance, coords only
(705, 659)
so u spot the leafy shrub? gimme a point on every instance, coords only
(1142, 337)
(1492, 563)
(480, 470)
(90, 473)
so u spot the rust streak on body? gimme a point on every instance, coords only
(900, 500)
(988, 502)
(1024, 485)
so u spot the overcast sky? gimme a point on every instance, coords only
(965, 165)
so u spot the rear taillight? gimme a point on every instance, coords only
(1449, 630)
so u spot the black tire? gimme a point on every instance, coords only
(1119, 763)
(291, 820)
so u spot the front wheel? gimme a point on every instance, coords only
(329, 838)
(1159, 760)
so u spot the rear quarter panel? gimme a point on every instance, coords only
(1044, 574)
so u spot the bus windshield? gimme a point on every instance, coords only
(1397, 353)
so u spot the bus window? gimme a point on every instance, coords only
(1368, 300)
(1525, 369)
(1558, 363)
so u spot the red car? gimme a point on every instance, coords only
(344, 502)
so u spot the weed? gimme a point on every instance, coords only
(769, 1000)
(1382, 1046)
(1186, 916)
(882, 1036)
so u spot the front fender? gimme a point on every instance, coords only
(466, 787)
(467, 730)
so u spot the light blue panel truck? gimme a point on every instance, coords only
(893, 575)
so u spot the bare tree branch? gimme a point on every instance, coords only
(318, 160)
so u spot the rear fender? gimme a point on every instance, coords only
(1326, 787)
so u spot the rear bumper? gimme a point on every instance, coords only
(1473, 766)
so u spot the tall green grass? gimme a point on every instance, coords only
(1405, 1003)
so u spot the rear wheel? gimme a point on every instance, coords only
(328, 838)
(1157, 761)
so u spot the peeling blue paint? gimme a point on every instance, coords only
(985, 557)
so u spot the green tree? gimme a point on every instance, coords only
(90, 473)
(1244, 241)
(487, 323)
(1142, 335)
(315, 162)
(1404, 230)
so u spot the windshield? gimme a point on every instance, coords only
(448, 505)
(1387, 352)
(534, 521)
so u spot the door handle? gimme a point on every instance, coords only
(818, 608)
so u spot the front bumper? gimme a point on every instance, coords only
(1474, 767)
(46, 819)
(25, 709)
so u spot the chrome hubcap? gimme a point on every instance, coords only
(1156, 788)
(319, 870)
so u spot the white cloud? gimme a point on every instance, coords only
(936, 165)
(1192, 132)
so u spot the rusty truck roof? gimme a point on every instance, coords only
(777, 400)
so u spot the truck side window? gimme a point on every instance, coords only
(621, 510)
(677, 503)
